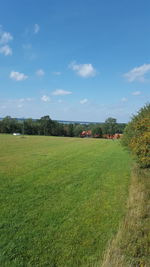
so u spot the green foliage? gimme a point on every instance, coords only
(70, 130)
(9, 125)
(43, 126)
(97, 132)
(59, 199)
(78, 129)
(137, 136)
(110, 126)
(46, 126)
(120, 127)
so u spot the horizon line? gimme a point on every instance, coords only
(63, 121)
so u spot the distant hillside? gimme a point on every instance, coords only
(68, 122)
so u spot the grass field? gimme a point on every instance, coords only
(62, 199)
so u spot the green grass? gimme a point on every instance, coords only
(62, 199)
(131, 245)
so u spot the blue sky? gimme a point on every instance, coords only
(74, 60)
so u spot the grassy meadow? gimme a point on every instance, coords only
(62, 199)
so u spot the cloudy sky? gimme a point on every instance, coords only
(74, 60)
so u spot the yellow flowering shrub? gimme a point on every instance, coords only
(137, 136)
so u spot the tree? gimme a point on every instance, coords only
(58, 129)
(120, 127)
(97, 131)
(78, 129)
(110, 126)
(46, 125)
(70, 131)
(28, 126)
(9, 125)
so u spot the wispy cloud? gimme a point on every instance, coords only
(45, 98)
(21, 100)
(20, 105)
(3, 107)
(17, 76)
(6, 50)
(27, 46)
(83, 70)
(40, 72)
(138, 73)
(36, 28)
(83, 101)
(29, 52)
(28, 99)
(57, 73)
(136, 93)
(61, 92)
(5, 38)
(124, 99)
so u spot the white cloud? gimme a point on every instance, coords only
(83, 70)
(40, 72)
(36, 28)
(61, 92)
(5, 37)
(138, 73)
(60, 101)
(83, 101)
(57, 73)
(45, 98)
(124, 99)
(136, 93)
(6, 50)
(17, 76)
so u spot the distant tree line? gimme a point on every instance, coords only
(46, 126)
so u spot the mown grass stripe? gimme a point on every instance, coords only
(62, 199)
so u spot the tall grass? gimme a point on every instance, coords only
(131, 246)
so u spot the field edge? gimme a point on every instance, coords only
(131, 245)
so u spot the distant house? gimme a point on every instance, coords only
(114, 136)
(86, 133)
(106, 136)
(117, 135)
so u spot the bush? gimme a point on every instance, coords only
(137, 136)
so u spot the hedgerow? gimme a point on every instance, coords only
(137, 136)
